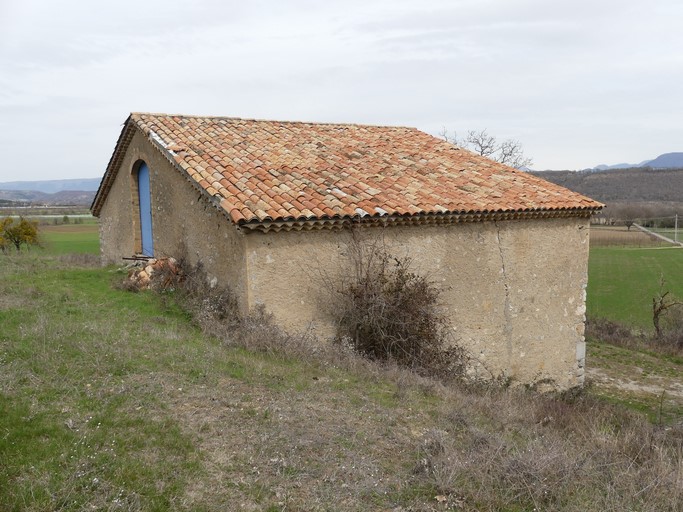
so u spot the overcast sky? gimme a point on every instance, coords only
(579, 83)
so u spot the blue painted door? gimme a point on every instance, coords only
(145, 211)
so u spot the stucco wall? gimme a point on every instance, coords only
(184, 224)
(117, 237)
(515, 290)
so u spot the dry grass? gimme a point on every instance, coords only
(111, 400)
(668, 343)
(418, 442)
(87, 260)
(609, 236)
(70, 228)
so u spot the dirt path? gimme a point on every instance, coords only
(646, 381)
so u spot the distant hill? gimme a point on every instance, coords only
(64, 197)
(665, 161)
(622, 185)
(53, 192)
(52, 186)
(618, 166)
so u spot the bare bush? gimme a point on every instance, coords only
(214, 308)
(389, 312)
(611, 332)
(670, 339)
(547, 452)
(662, 304)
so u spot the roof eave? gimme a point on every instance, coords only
(113, 166)
(126, 136)
(310, 224)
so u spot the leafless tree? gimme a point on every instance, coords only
(481, 143)
(660, 305)
(628, 214)
(508, 152)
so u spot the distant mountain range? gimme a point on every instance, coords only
(52, 192)
(64, 197)
(665, 161)
(52, 186)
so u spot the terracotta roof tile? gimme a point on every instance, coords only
(271, 170)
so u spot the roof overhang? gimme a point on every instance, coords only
(113, 167)
(314, 223)
(436, 219)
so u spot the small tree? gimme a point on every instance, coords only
(628, 214)
(4, 241)
(20, 233)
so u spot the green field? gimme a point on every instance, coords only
(70, 238)
(622, 281)
(669, 233)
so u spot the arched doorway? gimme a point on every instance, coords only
(145, 202)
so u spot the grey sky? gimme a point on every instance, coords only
(578, 82)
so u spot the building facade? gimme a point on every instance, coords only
(268, 209)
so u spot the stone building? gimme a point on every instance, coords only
(265, 206)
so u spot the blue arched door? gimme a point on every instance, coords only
(145, 201)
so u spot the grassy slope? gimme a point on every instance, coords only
(623, 281)
(76, 413)
(641, 380)
(114, 401)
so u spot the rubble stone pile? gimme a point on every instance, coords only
(155, 272)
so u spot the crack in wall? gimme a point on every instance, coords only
(507, 311)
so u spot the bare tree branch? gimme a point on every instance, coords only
(508, 152)
(660, 305)
(481, 143)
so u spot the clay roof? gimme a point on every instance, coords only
(265, 171)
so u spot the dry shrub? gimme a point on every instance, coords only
(671, 338)
(216, 310)
(669, 342)
(385, 311)
(545, 452)
(80, 260)
(611, 332)
(389, 312)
